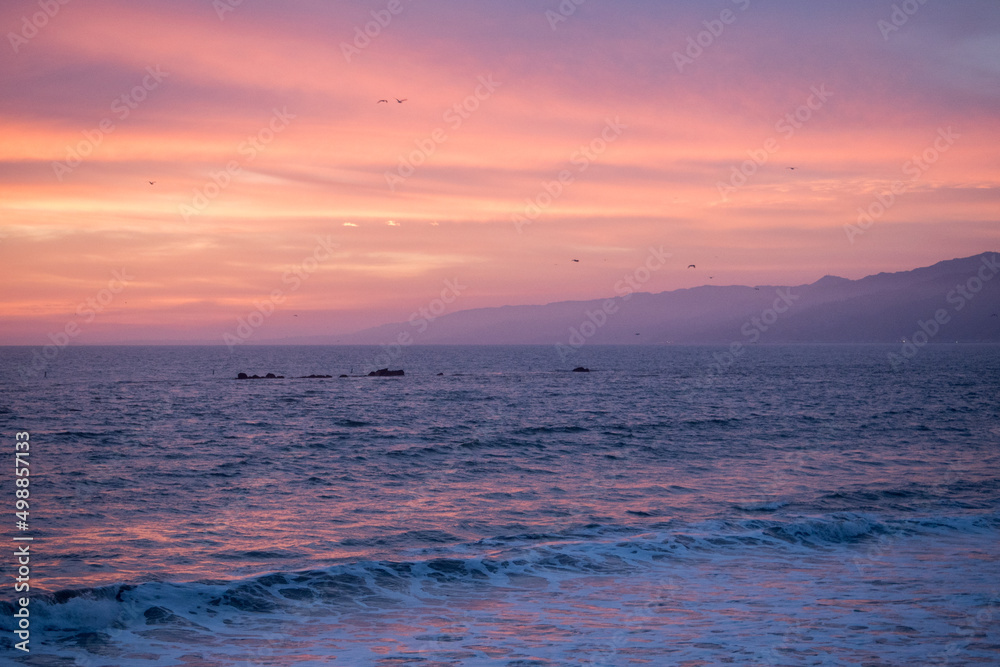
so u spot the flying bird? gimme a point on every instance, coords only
(402, 100)
(380, 101)
(792, 168)
(152, 182)
(692, 266)
(576, 260)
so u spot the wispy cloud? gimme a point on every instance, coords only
(325, 172)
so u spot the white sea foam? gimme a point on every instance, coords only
(514, 516)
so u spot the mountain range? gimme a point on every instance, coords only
(953, 300)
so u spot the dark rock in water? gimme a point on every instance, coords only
(242, 376)
(440, 373)
(344, 375)
(315, 377)
(269, 376)
(385, 372)
(581, 369)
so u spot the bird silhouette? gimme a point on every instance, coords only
(792, 168)
(692, 266)
(402, 100)
(380, 101)
(152, 182)
(576, 260)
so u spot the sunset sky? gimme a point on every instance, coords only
(278, 175)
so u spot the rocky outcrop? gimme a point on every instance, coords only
(385, 372)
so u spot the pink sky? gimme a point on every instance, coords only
(533, 97)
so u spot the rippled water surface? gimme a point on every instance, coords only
(803, 505)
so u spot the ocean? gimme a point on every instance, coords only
(791, 505)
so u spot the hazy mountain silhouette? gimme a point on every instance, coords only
(882, 308)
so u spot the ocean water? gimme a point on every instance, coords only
(801, 505)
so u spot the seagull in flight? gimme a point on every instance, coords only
(576, 260)
(402, 100)
(692, 266)
(152, 182)
(380, 101)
